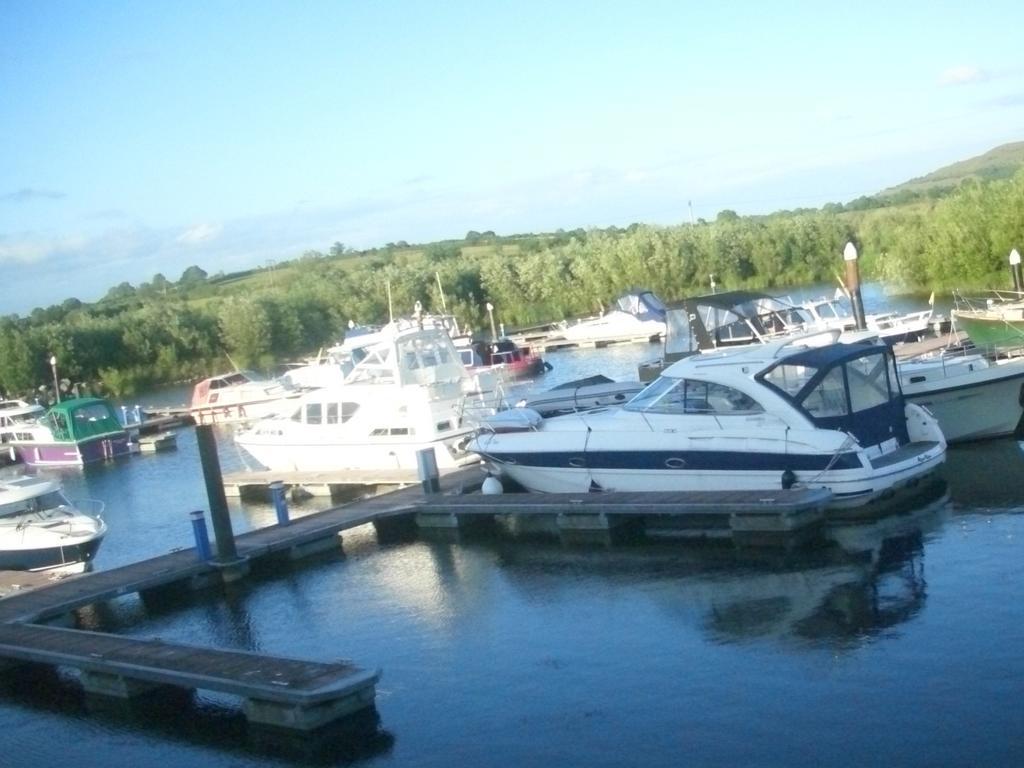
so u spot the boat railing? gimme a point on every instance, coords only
(976, 303)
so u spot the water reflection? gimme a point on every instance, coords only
(868, 578)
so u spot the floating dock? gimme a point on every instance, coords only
(301, 696)
(751, 518)
(255, 484)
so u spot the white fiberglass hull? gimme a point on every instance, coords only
(381, 454)
(621, 453)
(969, 403)
(618, 326)
(64, 545)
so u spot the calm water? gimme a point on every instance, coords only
(898, 643)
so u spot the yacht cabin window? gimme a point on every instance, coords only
(325, 413)
(692, 396)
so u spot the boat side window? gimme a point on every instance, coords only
(332, 414)
(869, 383)
(348, 410)
(828, 397)
(790, 379)
(693, 397)
(726, 400)
(314, 413)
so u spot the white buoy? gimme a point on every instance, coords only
(492, 486)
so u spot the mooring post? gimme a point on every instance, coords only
(201, 534)
(1018, 281)
(226, 551)
(853, 285)
(280, 503)
(426, 465)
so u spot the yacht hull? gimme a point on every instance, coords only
(69, 454)
(382, 454)
(67, 558)
(635, 472)
(976, 405)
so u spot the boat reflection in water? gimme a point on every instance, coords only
(864, 579)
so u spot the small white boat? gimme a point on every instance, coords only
(405, 394)
(752, 418)
(40, 530)
(580, 395)
(891, 327)
(636, 316)
(239, 396)
(973, 396)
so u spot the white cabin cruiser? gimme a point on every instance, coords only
(974, 396)
(239, 396)
(753, 418)
(40, 530)
(891, 327)
(15, 416)
(636, 316)
(407, 393)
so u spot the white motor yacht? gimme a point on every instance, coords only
(40, 530)
(784, 413)
(15, 416)
(636, 316)
(974, 396)
(408, 392)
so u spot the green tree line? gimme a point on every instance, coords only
(163, 332)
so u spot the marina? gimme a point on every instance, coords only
(405, 598)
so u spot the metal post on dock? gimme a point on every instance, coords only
(201, 534)
(426, 466)
(226, 551)
(853, 285)
(280, 503)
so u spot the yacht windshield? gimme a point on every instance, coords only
(692, 396)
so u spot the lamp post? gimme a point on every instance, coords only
(490, 314)
(56, 383)
(853, 285)
(1018, 282)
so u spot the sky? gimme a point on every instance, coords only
(139, 138)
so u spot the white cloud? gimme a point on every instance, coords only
(963, 75)
(29, 249)
(200, 233)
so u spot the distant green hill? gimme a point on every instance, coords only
(999, 163)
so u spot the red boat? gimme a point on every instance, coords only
(505, 357)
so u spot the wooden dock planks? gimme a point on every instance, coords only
(303, 695)
(250, 675)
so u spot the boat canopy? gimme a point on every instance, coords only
(82, 418)
(727, 319)
(853, 388)
(644, 305)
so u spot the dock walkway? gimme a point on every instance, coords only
(285, 693)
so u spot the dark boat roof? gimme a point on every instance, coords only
(833, 354)
(724, 300)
